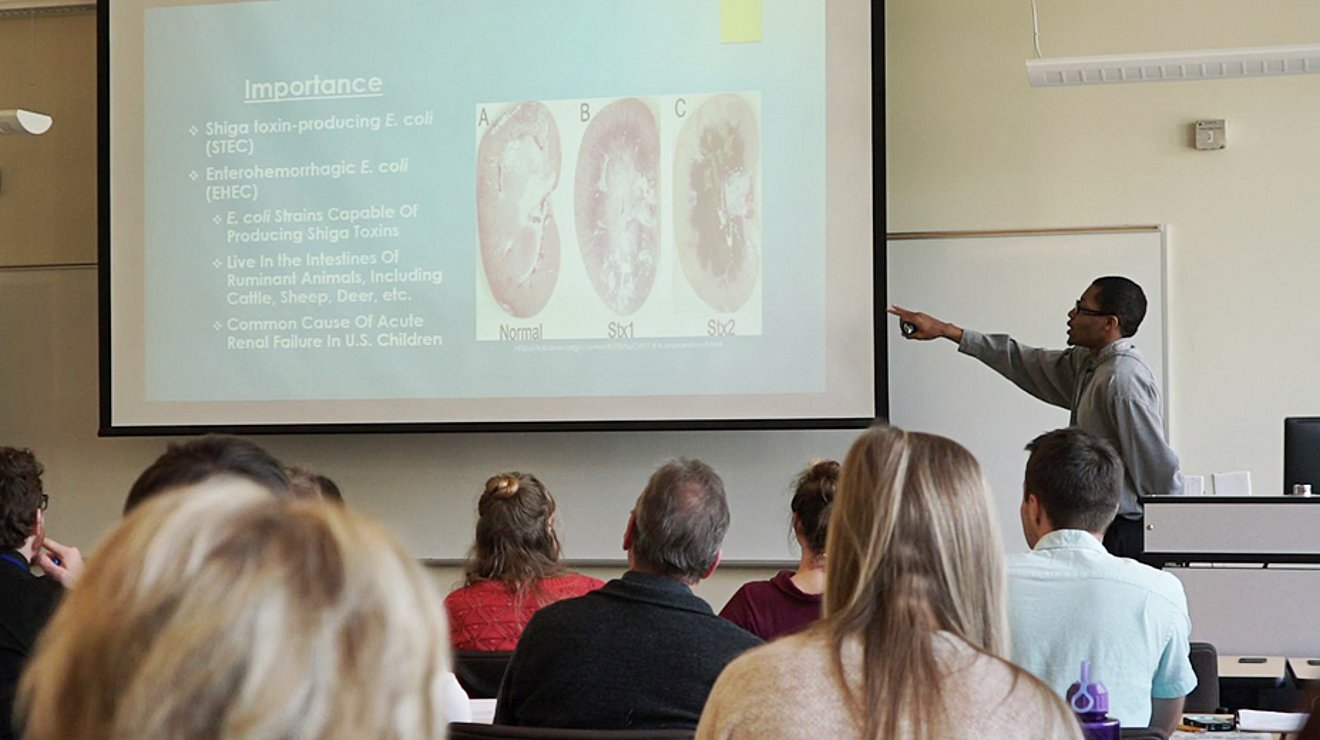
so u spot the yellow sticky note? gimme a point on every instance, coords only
(740, 21)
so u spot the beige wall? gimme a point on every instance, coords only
(971, 146)
(48, 182)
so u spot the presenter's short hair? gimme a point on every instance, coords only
(680, 520)
(220, 613)
(20, 496)
(1077, 477)
(1123, 298)
(212, 456)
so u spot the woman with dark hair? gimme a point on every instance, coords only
(790, 601)
(513, 568)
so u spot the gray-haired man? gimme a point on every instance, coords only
(643, 651)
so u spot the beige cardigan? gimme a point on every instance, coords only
(788, 689)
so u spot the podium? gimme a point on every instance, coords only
(1232, 529)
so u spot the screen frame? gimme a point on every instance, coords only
(880, 394)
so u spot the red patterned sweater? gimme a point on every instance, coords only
(488, 615)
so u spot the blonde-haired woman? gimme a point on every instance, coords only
(514, 567)
(914, 628)
(233, 614)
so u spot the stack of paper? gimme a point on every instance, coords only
(1257, 721)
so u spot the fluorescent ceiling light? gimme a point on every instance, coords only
(1208, 64)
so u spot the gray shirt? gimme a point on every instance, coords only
(1113, 396)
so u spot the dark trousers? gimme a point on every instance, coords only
(1125, 538)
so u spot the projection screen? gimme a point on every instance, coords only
(491, 213)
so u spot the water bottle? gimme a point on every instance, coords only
(1090, 702)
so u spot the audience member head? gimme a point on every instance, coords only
(222, 613)
(213, 457)
(912, 550)
(306, 484)
(21, 501)
(516, 542)
(1073, 481)
(1124, 299)
(813, 496)
(678, 523)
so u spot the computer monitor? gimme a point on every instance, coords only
(1301, 452)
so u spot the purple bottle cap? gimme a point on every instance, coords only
(1087, 697)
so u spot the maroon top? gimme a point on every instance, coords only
(772, 608)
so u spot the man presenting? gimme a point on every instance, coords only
(1101, 379)
(643, 651)
(1069, 600)
(26, 601)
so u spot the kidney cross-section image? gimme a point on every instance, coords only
(717, 194)
(518, 163)
(616, 200)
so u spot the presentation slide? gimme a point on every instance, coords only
(491, 211)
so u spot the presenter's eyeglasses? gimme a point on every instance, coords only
(45, 501)
(1088, 311)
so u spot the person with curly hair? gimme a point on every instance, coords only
(26, 600)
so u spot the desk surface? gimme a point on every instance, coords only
(483, 710)
(1305, 669)
(1272, 668)
(1230, 735)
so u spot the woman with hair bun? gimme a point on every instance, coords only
(513, 568)
(790, 601)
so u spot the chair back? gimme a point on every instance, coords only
(480, 672)
(473, 731)
(1204, 699)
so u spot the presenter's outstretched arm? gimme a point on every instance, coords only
(1049, 375)
(926, 327)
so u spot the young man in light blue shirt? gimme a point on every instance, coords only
(1069, 600)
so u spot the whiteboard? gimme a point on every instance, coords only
(1018, 283)
(422, 486)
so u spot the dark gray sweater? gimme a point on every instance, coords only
(641, 653)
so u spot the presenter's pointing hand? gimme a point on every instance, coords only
(917, 325)
(60, 562)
